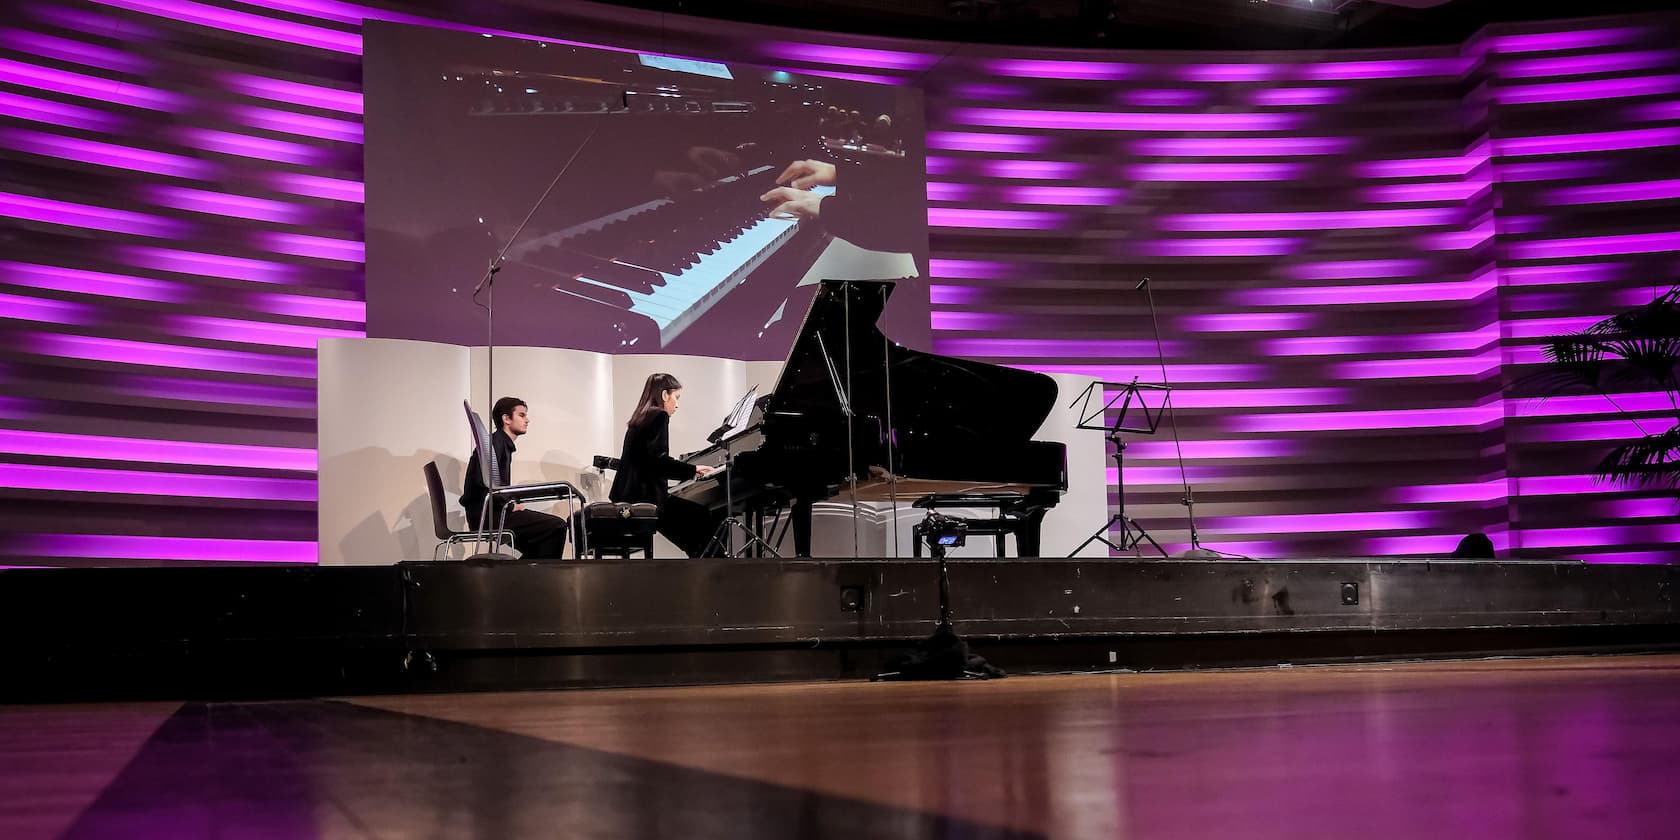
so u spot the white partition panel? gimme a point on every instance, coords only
(568, 394)
(387, 407)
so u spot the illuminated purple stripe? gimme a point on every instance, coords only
(303, 306)
(58, 113)
(1340, 345)
(46, 311)
(1247, 322)
(942, 191)
(1114, 121)
(1047, 348)
(253, 332)
(1356, 269)
(1164, 98)
(942, 295)
(1567, 432)
(1546, 41)
(317, 186)
(1598, 141)
(258, 148)
(1073, 70)
(1215, 449)
(1548, 327)
(1141, 477)
(1592, 404)
(1215, 171)
(288, 122)
(1462, 240)
(1612, 535)
(1340, 421)
(98, 283)
(1589, 90)
(1551, 170)
(78, 52)
(969, 141)
(998, 219)
(1223, 398)
(1418, 167)
(1230, 72)
(1068, 196)
(1562, 485)
(224, 204)
(1327, 220)
(1395, 68)
(215, 394)
(1595, 246)
(963, 321)
(244, 23)
(123, 547)
(1427, 494)
(1580, 65)
(350, 13)
(106, 154)
(970, 269)
(1178, 374)
(1318, 523)
(54, 445)
(213, 265)
(293, 93)
(1413, 193)
(319, 247)
(90, 87)
(1609, 193)
(125, 352)
(1642, 557)
(1615, 509)
(1244, 146)
(1249, 247)
(1461, 366)
(1421, 545)
(1357, 295)
(89, 217)
(1032, 169)
(849, 56)
(1299, 96)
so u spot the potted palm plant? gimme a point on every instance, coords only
(1634, 351)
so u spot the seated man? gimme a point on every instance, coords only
(535, 534)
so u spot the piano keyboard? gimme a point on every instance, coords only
(671, 285)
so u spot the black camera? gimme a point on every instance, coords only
(943, 531)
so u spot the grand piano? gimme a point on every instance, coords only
(856, 415)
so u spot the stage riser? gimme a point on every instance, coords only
(782, 602)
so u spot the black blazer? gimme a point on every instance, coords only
(472, 500)
(646, 464)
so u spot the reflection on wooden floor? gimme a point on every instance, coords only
(1578, 747)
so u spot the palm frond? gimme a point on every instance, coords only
(1652, 461)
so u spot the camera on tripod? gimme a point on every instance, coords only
(943, 532)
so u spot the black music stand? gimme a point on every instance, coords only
(944, 655)
(724, 537)
(1135, 416)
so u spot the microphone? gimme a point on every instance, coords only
(1141, 284)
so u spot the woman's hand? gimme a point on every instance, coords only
(793, 204)
(702, 470)
(805, 174)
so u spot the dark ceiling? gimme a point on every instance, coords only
(1156, 24)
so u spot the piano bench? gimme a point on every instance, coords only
(612, 528)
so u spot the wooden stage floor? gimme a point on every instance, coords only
(1532, 748)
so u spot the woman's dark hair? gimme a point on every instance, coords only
(653, 397)
(504, 409)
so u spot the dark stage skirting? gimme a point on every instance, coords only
(266, 631)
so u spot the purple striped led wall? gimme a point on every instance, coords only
(1353, 255)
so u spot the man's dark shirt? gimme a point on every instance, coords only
(472, 499)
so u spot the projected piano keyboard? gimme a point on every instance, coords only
(670, 261)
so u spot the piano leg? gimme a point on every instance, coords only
(800, 513)
(1026, 537)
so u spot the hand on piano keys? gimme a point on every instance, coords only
(702, 471)
(793, 204)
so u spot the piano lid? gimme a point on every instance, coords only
(841, 357)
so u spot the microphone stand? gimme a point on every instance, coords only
(1196, 551)
(487, 283)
